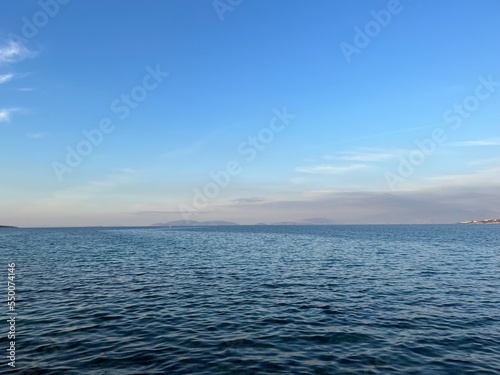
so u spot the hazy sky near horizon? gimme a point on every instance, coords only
(133, 112)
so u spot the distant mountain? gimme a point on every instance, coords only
(485, 221)
(192, 223)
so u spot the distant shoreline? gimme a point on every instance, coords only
(285, 224)
(485, 221)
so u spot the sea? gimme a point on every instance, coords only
(336, 299)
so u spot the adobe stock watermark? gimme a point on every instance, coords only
(454, 116)
(248, 150)
(31, 25)
(364, 36)
(122, 107)
(223, 6)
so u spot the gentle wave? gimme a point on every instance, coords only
(243, 300)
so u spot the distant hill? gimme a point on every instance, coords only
(484, 221)
(7, 226)
(193, 223)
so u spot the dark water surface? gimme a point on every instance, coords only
(421, 299)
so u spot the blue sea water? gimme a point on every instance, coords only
(416, 299)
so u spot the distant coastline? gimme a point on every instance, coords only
(485, 221)
(7, 226)
(190, 223)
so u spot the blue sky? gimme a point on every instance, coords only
(336, 133)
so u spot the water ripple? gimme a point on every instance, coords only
(243, 300)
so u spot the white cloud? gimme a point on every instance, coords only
(13, 52)
(329, 169)
(4, 78)
(5, 114)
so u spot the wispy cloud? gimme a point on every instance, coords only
(36, 135)
(248, 200)
(13, 52)
(478, 143)
(4, 78)
(489, 163)
(362, 156)
(329, 169)
(484, 175)
(183, 152)
(430, 205)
